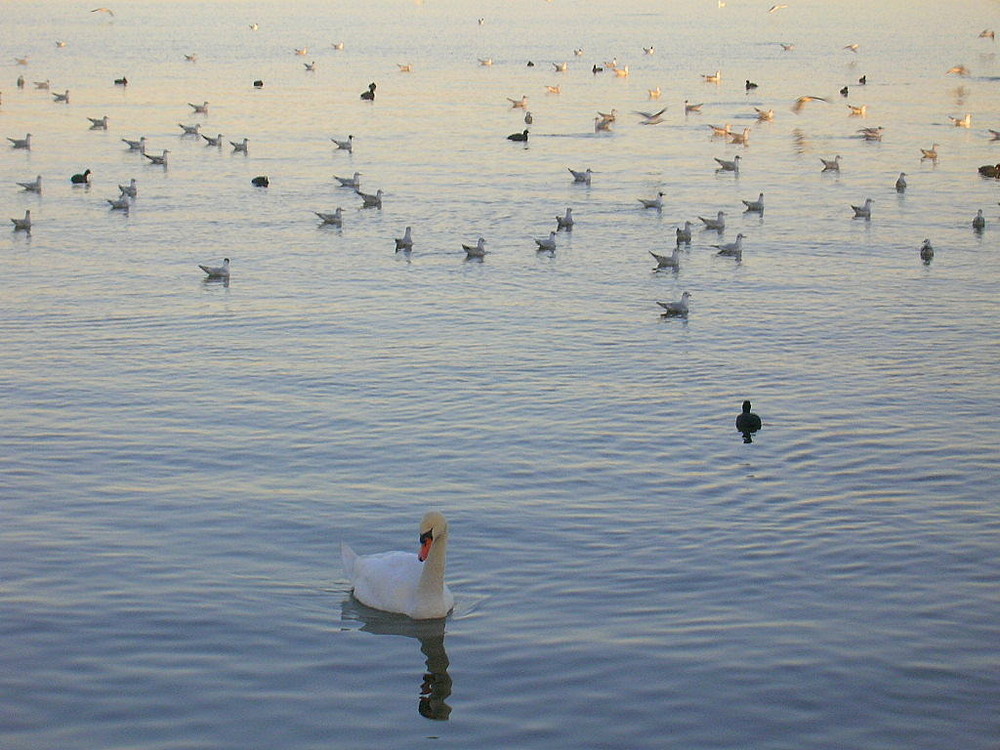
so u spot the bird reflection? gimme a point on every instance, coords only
(435, 685)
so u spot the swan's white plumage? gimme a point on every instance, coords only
(398, 581)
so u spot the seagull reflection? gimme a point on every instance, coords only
(435, 684)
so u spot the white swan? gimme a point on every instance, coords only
(403, 582)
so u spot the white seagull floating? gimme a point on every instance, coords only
(336, 218)
(740, 139)
(369, 200)
(33, 187)
(217, 272)
(684, 234)
(756, 206)
(347, 145)
(964, 122)
(715, 77)
(689, 108)
(139, 145)
(21, 142)
(566, 221)
(518, 103)
(978, 223)
(240, 147)
(64, 97)
(547, 244)
(668, 261)
(865, 211)
(210, 141)
(199, 108)
(43, 85)
(718, 223)
(901, 182)
(676, 309)
(130, 190)
(475, 251)
(23, 225)
(583, 177)
(651, 118)
(929, 153)
(764, 115)
(404, 243)
(403, 582)
(656, 202)
(561, 67)
(349, 182)
(831, 165)
(731, 249)
(189, 129)
(98, 123)
(729, 166)
(153, 159)
(120, 203)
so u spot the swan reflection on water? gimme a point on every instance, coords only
(435, 686)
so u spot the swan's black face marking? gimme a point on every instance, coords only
(426, 540)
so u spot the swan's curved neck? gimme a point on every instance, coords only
(432, 576)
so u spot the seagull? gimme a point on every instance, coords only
(715, 77)
(651, 118)
(756, 206)
(872, 134)
(98, 123)
(528, 119)
(21, 60)
(60, 43)
(654, 93)
(369, 200)
(901, 183)
(994, 134)
(741, 139)
(347, 145)
(404, 243)
(729, 166)
(301, 51)
(254, 26)
(404, 67)
(23, 225)
(64, 98)
(338, 45)
(43, 85)
(369, 95)
(33, 187)
(139, 145)
(649, 50)
(926, 252)
(578, 52)
(554, 89)
(336, 218)
(210, 141)
(21, 142)
(831, 165)
(656, 202)
(217, 272)
(240, 147)
(486, 61)
(676, 309)
(162, 159)
(929, 153)
(622, 72)
(852, 47)
(803, 100)
(987, 34)
(475, 251)
(565, 222)
(865, 211)
(689, 108)
(310, 66)
(518, 103)
(561, 67)
(668, 261)
(189, 129)
(786, 47)
(959, 70)
(964, 122)
(749, 85)
(718, 223)
(776, 8)
(547, 244)
(193, 57)
(684, 234)
(764, 115)
(119, 204)
(609, 116)
(108, 11)
(601, 125)
(130, 190)
(858, 111)
(522, 136)
(349, 182)
(978, 223)
(731, 249)
(83, 178)
(721, 131)
(201, 109)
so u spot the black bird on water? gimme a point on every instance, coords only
(369, 95)
(260, 181)
(81, 179)
(747, 423)
(523, 136)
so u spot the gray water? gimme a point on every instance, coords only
(182, 458)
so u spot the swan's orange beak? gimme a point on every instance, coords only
(426, 540)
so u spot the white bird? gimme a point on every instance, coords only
(338, 45)
(120, 203)
(786, 46)
(199, 108)
(404, 243)
(130, 190)
(654, 93)
(684, 234)
(622, 72)
(561, 67)
(649, 50)
(865, 211)
(668, 261)
(756, 206)
(929, 153)
(254, 26)
(901, 183)
(731, 249)
(688, 107)
(926, 252)
(872, 134)
(369, 200)
(56, 96)
(43, 85)
(310, 66)
(578, 52)
(475, 251)
(193, 57)
(740, 139)
(20, 142)
(609, 116)
(565, 222)
(404, 67)
(554, 89)
(189, 129)
(60, 43)
(964, 122)
(852, 47)
(210, 141)
(240, 147)
(23, 225)
(583, 177)
(486, 61)
(722, 131)
(98, 123)
(217, 272)
(336, 218)
(676, 309)
(718, 223)
(857, 110)
(547, 243)
(349, 182)
(107, 11)
(153, 159)
(729, 166)
(776, 8)
(518, 103)
(602, 125)
(715, 77)
(978, 223)
(347, 145)
(802, 101)
(651, 118)
(831, 165)
(404, 582)
(33, 187)
(139, 145)
(764, 115)
(656, 202)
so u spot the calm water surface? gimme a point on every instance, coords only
(181, 459)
